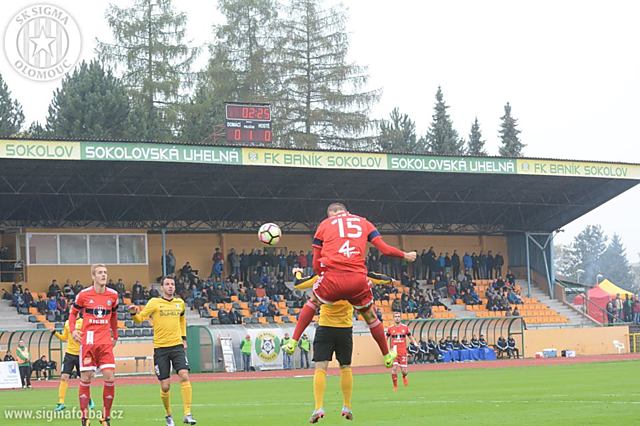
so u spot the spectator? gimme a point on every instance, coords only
(217, 264)
(286, 358)
(52, 305)
(41, 365)
(627, 308)
(475, 264)
(636, 310)
(483, 342)
(516, 312)
(482, 262)
(245, 349)
(619, 306)
(447, 264)
(54, 289)
(490, 264)
(233, 260)
(511, 278)
(512, 350)
(24, 364)
(501, 347)
(611, 312)
(8, 357)
(455, 264)
(171, 262)
(498, 263)
(305, 346)
(475, 343)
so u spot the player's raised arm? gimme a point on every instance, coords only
(375, 238)
(148, 310)
(65, 333)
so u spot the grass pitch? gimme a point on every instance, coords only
(581, 394)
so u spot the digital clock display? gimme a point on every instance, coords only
(248, 122)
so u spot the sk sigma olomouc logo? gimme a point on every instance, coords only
(42, 42)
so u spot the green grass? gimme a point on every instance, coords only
(580, 394)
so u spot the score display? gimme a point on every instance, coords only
(248, 122)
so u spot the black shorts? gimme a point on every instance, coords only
(69, 363)
(330, 340)
(164, 358)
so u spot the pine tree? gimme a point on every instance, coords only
(323, 101)
(399, 134)
(11, 116)
(155, 60)
(241, 67)
(91, 103)
(615, 265)
(441, 137)
(589, 246)
(476, 144)
(511, 145)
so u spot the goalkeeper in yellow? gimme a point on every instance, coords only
(333, 335)
(71, 360)
(169, 344)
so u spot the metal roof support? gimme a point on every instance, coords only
(548, 268)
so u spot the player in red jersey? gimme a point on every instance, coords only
(97, 338)
(339, 251)
(397, 335)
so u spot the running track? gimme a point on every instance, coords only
(210, 377)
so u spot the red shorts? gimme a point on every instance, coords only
(93, 357)
(354, 287)
(401, 361)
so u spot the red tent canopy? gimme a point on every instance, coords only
(597, 304)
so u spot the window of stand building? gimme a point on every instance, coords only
(85, 249)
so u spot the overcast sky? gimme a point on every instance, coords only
(570, 69)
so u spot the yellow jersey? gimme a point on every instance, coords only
(73, 347)
(169, 322)
(339, 314)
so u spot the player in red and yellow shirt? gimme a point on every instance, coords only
(97, 338)
(339, 249)
(398, 334)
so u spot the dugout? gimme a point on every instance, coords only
(151, 196)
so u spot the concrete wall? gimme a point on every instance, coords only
(585, 341)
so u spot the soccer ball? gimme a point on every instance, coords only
(269, 234)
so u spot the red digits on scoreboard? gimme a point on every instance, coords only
(237, 134)
(267, 135)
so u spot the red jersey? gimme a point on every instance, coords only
(342, 240)
(99, 315)
(399, 334)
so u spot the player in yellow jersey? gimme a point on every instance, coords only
(169, 344)
(333, 335)
(71, 360)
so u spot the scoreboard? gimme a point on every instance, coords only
(248, 122)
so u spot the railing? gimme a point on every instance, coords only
(634, 342)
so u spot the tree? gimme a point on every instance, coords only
(589, 246)
(476, 144)
(241, 67)
(615, 265)
(156, 62)
(91, 103)
(511, 145)
(441, 137)
(11, 116)
(399, 134)
(322, 101)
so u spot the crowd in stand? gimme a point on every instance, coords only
(623, 310)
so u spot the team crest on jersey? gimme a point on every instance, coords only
(177, 306)
(99, 312)
(108, 302)
(267, 346)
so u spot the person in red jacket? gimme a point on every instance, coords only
(339, 255)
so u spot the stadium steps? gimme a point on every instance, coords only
(575, 319)
(11, 320)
